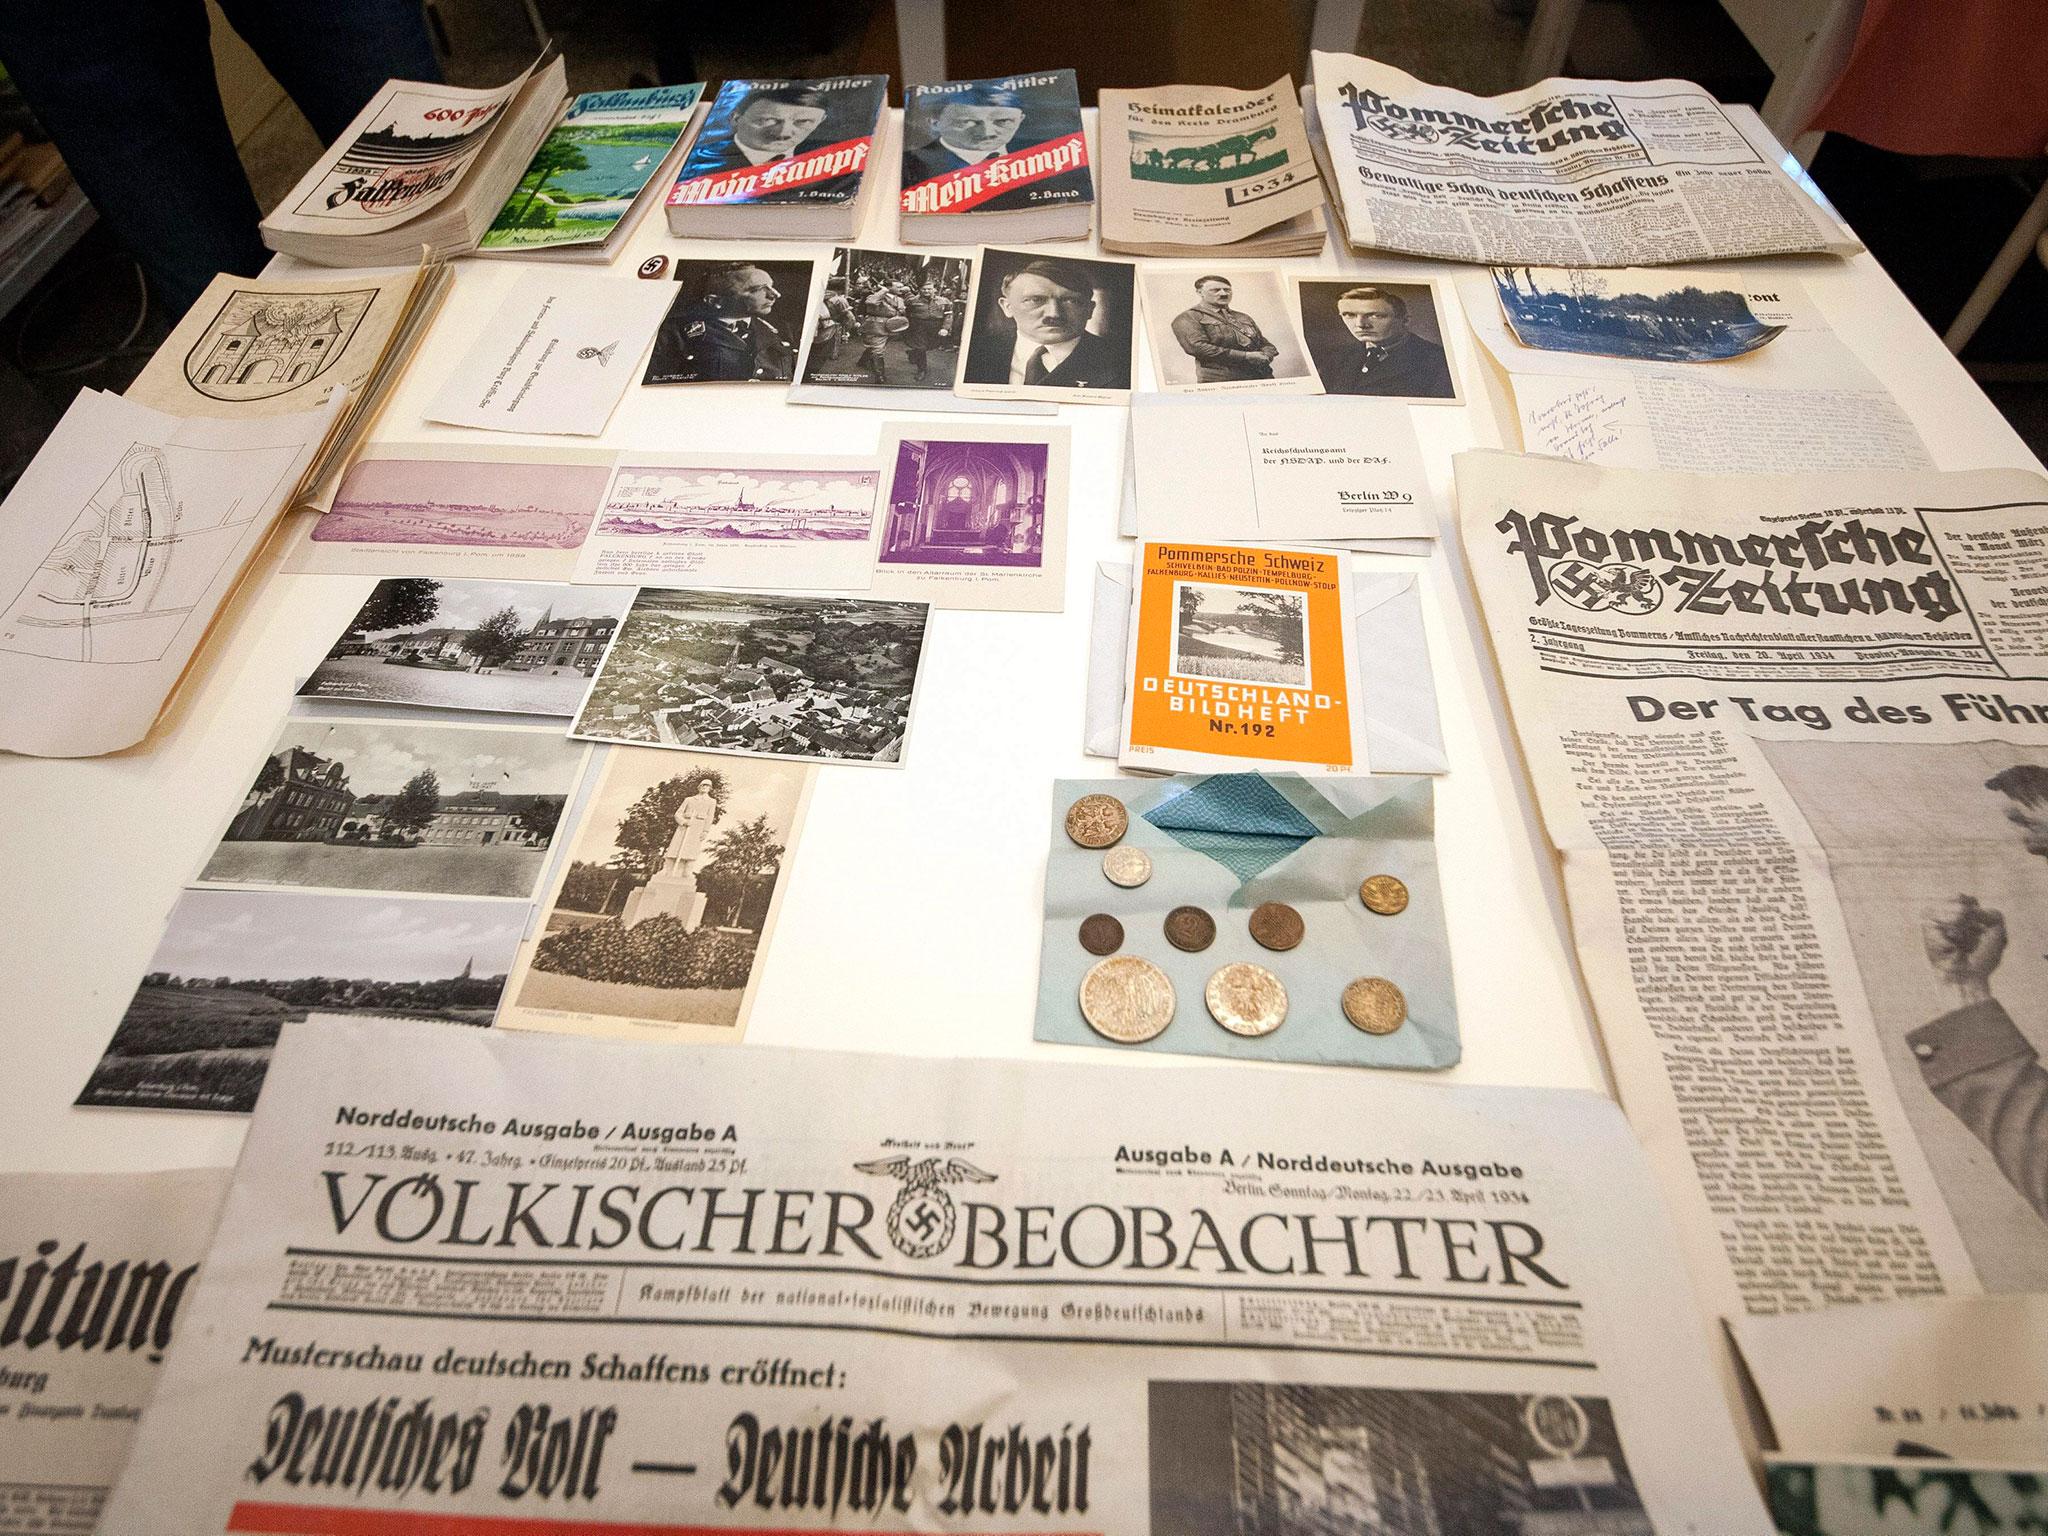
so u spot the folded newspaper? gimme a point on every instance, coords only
(1566, 173)
(475, 1282)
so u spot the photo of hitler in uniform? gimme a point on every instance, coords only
(1371, 338)
(1051, 323)
(955, 126)
(1222, 327)
(732, 322)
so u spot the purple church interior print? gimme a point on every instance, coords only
(967, 504)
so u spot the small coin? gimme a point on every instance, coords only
(1127, 866)
(1246, 999)
(1375, 1005)
(1190, 928)
(1126, 999)
(1096, 821)
(1276, 925)
(1384, 894)
(1101, 934)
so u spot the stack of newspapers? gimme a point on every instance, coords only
(423, 167)
(1196, 170)
(781, 159)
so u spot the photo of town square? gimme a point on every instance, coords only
(829, 678)
(235, 967)
(506, 647)
(400, 805)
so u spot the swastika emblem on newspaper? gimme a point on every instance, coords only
(922, 1219)
(1597, 588)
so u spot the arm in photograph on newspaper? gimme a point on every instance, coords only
(496, 1279)
(1790, 736)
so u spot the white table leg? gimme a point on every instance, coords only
(1334, 26)
(2019, 245)
(1550, 39)
(921, 41)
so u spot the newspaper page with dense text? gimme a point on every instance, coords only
(1565, 173)
(468, 1280)
(1789, 735)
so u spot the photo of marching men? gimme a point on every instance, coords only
(889, 320)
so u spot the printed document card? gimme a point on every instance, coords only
(1240, 656)
(555, 357)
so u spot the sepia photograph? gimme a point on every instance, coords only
(1223, 328)
(967, 503)
(732, 322)
(1649, 315)
(400, 805)
(503, 647)
(1375, 338)
(1050, 327)
(503, 504)
(1243, 634)
(656, 926)
(235, 967)
(889, 320)
(829, 678)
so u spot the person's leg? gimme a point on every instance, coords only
(331, 56)
(126, 89)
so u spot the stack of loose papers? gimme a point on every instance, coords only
(421, 166)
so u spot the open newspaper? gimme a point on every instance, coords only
(1565, 173)
(1789, 735)
(478, 1282)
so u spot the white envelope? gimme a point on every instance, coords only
(1397, 687)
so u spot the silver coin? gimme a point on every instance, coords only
(1246, 999)
(1127, 866)
(1126, 999)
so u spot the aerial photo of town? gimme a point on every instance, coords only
(815, 677)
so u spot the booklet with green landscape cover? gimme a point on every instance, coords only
(590, 174)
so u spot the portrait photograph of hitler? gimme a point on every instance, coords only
(1217, 329)
(1375, 338)
(732, 322)
(1939, 859)
(953, 127)
(1049, 327)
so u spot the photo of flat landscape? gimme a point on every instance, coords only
(829, 678)
(740, 503)
(235, 967)
(466, 503)
(400, 805)
(1245, 634)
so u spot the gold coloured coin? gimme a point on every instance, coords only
(1127, 867)
(1246, 999)
(1101, 934)
(1126, 999)
(1097, 821)
(1190, 928)
(1375, 1005)
(1384, 894)
(1276, 925)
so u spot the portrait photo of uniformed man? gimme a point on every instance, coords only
(1223, 328)
(1050, 323)
(953, 127)
(1373, 338)
(732, 322)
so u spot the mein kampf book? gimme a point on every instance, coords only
(421, 166)
(1002, 161)
(584, 190)
(781, 158)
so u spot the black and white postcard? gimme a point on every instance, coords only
(1368, 337)
(1648, 314)
(760, 674)
(732, 322)
(503, 647)
(889, 320)
(1049, 328)
(401, 805)
(657, 923)
(235, 967)
(1224, 329)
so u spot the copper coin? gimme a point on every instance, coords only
(1375, 1005)
(1096, 821)
(1127, 867)
(1101, 934)
(1126, 999)
(1384, 894)
(1276, 925)
(1190, 928)
(1246, 999)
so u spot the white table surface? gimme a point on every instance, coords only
(911, 919)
